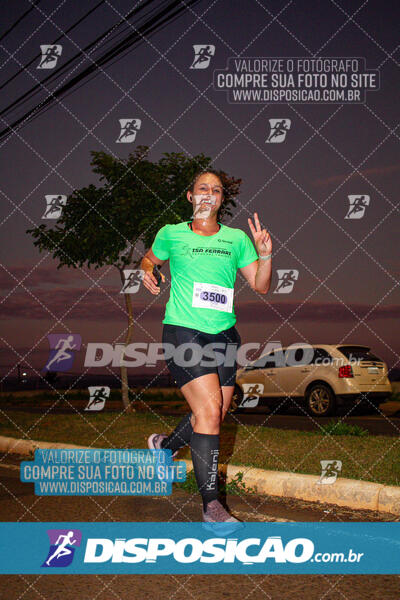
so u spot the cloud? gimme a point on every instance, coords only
(103, 303)
(377, 171)
(32, 276)
(99, 306)
(254, 311)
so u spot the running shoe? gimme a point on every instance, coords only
(218, 520)
(154, 442)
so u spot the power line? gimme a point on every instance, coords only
(162, 18)
(64, 67)
(35, 3)
(55, 42)
(59, 72)
(92, 76)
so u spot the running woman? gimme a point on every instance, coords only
(204, 257)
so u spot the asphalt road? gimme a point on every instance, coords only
(375, 425)
(18, 503)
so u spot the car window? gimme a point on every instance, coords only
(298, 356)
(358, 353)
(321, 356)
(271, 360)
(263, 363)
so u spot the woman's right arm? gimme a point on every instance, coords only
(147, 265)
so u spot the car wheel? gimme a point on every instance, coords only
(236, 399)
(320, 401)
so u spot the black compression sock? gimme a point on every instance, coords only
(205, 451)
(180, 436)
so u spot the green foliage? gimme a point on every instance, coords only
(189, 485)
(102, 225)
(338, 428)
(235, 487)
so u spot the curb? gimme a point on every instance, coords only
(351, 493)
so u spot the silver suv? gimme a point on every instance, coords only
(324, 376)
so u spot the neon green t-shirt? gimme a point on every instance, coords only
(203, 274)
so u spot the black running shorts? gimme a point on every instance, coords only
(186, 364)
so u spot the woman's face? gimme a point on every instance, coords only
(207, 196)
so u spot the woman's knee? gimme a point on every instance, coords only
(208, 419)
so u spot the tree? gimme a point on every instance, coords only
(102, 225)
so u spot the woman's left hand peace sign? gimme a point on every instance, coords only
(262, 239)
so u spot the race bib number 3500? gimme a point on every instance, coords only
(210, 295)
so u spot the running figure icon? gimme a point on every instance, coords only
(287, 279)
(63, 345)
(62, 549)
(358, 206)
(202, 56)
(50, 55)
(278, 129)
(98, 397)
(129, 128)
(133, 279)
(54, 207)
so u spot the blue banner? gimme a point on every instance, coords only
(149, 548)
(89, 472)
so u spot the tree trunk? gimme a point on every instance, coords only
(124, 371)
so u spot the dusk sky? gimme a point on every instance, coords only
(347, 289)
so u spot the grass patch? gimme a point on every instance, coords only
(369, 458)
(235, 487)
(339, 428)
